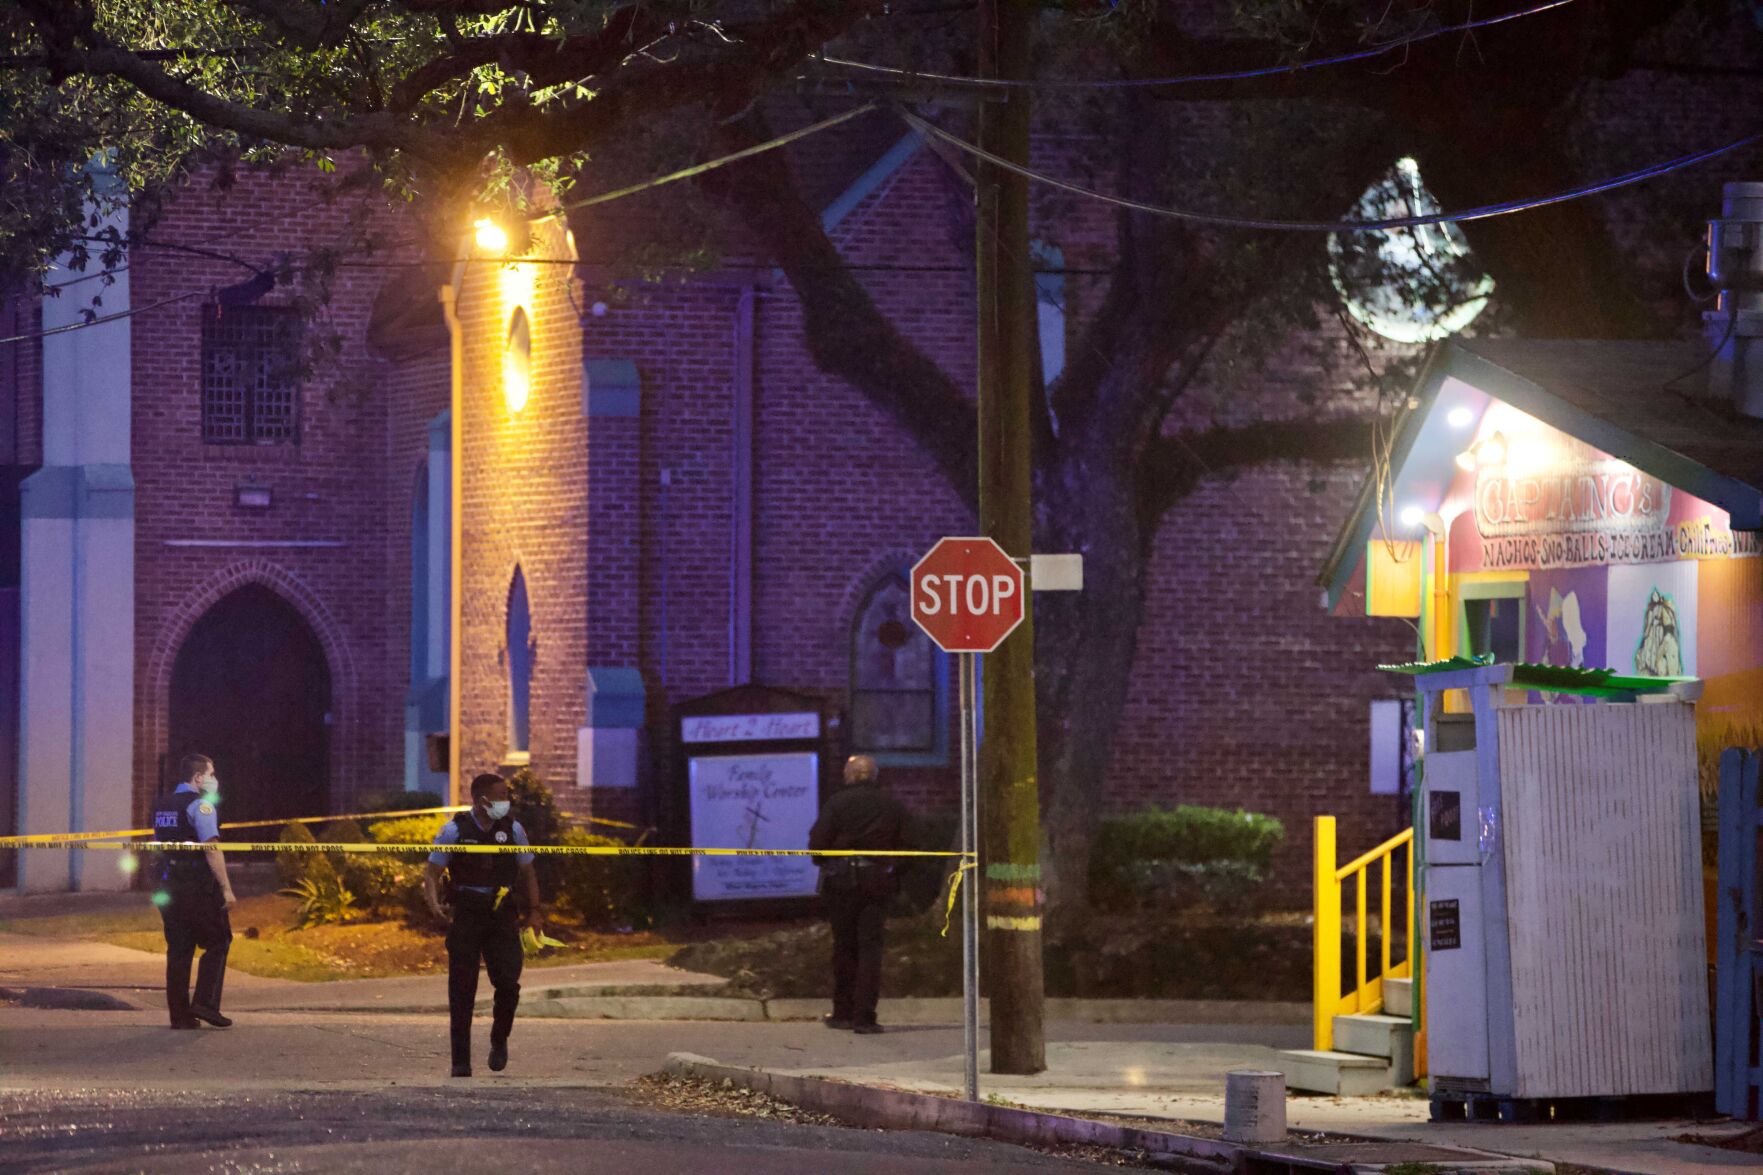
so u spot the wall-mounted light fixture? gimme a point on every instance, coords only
(490, 236)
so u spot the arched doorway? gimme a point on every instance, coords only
(251, 687)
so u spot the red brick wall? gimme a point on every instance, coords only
(331, 488)
(525, 504)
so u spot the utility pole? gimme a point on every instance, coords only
(1009, 796)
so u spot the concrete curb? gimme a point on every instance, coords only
(877, 1107)
(604, 1004)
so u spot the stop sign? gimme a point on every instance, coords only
(967, 595)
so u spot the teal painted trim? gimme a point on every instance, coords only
(441, 432)
(866, 184)
(426, 704)
(611, 387)
(616, 697)
(78, 491)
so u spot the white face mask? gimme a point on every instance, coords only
(209, 785)
(497, 808)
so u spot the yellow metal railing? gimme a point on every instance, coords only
(1367, 992)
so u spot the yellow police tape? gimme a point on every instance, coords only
(955, 888)
(531, 941)
(185, 846)
(60, 839)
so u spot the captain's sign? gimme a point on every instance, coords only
(1570, 494)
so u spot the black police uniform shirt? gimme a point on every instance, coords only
(185, 815)
(480, 872)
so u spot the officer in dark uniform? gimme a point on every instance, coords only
(486, 916)
(194, 895)
(861, 815)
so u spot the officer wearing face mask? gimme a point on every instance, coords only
(485, 913)
(194, 895)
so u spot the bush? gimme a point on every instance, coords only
(924, 881)
(1183, 857)
(606, 892)
(397, 800)
(536, 809)
(292, 868)
(323, 899)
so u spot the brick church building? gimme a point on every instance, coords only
(645, 492)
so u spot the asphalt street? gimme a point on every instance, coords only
(463, 1128)
(93, 1090)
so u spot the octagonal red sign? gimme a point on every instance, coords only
(967, 595)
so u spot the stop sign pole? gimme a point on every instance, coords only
(967, 595)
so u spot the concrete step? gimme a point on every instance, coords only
(1398, 997)
(1374, 1035)
(1341, 1074)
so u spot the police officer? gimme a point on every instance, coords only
(195, 895)
(861, 815)
(485, 914)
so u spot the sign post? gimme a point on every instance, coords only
(967, 595)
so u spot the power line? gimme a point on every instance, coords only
(102, 319)
(1481, 212)
(1186, 79)
(713, 164)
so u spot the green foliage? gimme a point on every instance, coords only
(535, 807)
(291, 867)
(397, 800)
(406, 830)
(1182, 857)
(324, 900)
(606, 892)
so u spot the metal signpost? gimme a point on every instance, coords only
(967, 595)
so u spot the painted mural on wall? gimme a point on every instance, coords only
(1652, 615)
(1567, 619)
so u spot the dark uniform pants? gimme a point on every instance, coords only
(494, 937)
(857, 921)
(195, 916)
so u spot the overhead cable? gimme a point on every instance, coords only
(911, 75)
(712, 164)
(1481, 212)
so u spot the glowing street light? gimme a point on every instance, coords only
(490, 236)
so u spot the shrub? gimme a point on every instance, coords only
(1182, 857)
(392, 882)
(536, 809)
(397, 800)
(323, 899)
(604, 891)
(291, 868)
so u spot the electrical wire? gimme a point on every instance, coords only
(1185, 79)
(1481, 212)
(711, 165)
(104, 318)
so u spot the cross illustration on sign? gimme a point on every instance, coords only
(967, 595)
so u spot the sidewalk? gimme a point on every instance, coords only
(1185, 1082)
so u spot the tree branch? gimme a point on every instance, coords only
(847, 334)
(1176, 463)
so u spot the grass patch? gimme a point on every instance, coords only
(266, 944)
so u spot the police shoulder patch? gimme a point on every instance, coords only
(501, 837)
(206, 808)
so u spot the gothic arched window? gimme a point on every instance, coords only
(520, 668)
(899, 679)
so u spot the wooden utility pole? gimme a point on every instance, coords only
(1009, 797)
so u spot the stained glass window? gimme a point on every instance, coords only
(897, 677)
